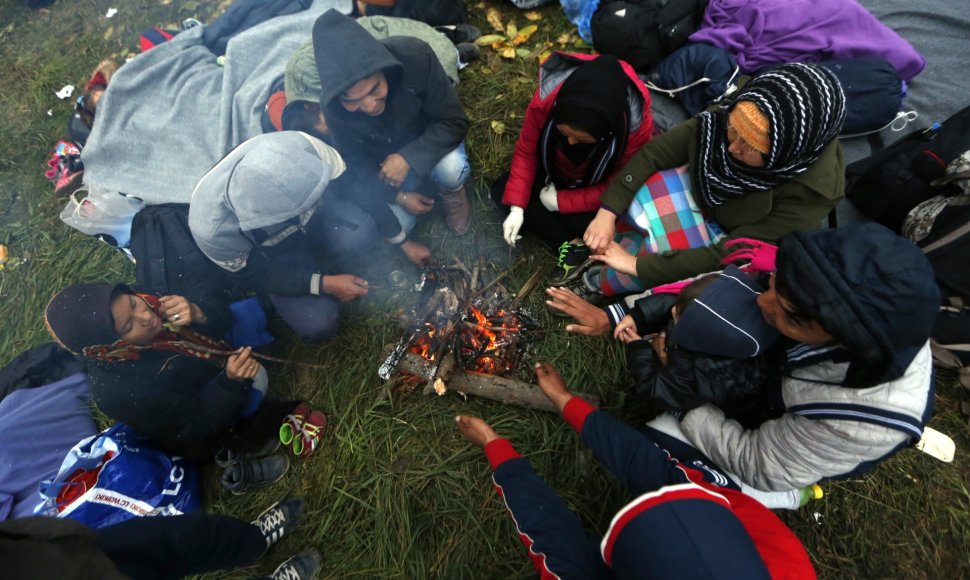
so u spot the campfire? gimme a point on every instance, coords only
(469, 337)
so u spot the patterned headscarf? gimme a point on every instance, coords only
(805, 108)
(79, 319)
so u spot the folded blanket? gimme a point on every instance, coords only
(761, 33)
(172, 112)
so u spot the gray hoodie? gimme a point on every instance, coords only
(272, 183)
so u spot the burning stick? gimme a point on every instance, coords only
(473, 326)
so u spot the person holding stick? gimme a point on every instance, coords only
(154, 366)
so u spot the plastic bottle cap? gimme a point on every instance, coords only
(817, 492)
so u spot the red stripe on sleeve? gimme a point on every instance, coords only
(499, 451)
(576, 411)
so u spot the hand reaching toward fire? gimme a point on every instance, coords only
(552, 385)
(592, 321)
(476, 430)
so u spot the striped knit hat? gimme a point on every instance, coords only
(804, 106)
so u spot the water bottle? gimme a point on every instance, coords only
(809, 493)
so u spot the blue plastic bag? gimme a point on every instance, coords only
(115, 476)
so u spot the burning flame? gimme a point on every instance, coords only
(482, 341)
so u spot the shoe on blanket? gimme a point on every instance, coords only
(225, 456)
(279, 519)
(246, 475)
(303, 566)
(573, 260)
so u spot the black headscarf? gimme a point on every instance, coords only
(805, 107)
(592, 99)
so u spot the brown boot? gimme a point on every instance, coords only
(458, 212)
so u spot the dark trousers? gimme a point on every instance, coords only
(344, 232)
(552, 227)
(164, 547)
(642, 462)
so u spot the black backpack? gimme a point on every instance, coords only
(168, 260)
(643, 32)
(887, 185)
(940, 226)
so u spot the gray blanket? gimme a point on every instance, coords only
(172, 112)
(937, 29)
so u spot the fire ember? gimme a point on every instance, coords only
(480, 330)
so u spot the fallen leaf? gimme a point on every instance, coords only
(489, 39)
(495, 19)
(190, 6)
(564, 38)
(544, 55)
(533, 16)
(439, 387)
(523, 52)
(109, 32)
(511, 30)
(507, 52)
(498, 127)
(523, 35)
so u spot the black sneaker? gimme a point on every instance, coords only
(459, 33)
(278, 519)
(467, 52)
(573, 260)
(303, 566)
(224, 456)
(245, 475)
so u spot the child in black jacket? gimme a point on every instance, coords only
(714, 349)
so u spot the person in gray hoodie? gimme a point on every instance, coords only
(395, 117)
(263, 210)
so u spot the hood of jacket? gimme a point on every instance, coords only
(725, 319)
(346, 53)
(263, 182)
(873, 291)
(557, 68)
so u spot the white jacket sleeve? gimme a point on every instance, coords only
(789, 452)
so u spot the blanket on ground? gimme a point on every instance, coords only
(171, 113)
(761, 33)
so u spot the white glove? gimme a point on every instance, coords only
(512, 225)
(549, 197)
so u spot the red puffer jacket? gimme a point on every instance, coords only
(525, 157)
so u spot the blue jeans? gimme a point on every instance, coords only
(450, 174)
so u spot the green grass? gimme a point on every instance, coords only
(394, 492)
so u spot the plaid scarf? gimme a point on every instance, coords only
(177, 339)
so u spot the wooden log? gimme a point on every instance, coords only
(501, 389)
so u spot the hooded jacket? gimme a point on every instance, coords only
(716, 351)
(875, 293)
(246, 208)
(526, 155)
(423, 119)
